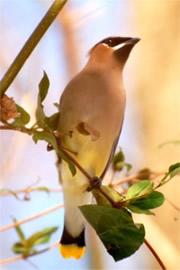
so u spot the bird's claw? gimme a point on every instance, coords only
(95, 183)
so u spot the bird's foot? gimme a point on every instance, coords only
(95, 183)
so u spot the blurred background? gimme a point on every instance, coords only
(152, 82)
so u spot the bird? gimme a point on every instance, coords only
(92, 108)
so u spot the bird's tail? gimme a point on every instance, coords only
(72, 246)
(72, 243)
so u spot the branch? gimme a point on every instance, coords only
(135, 177)
(163, 267)
(30, 132)
(76, 164)
(84, 172)
(130, 178)
(30, 45)
(173, 205)
(21, 257)
(68, 155)
(20, 129)
(45, 212)
(91, 179)
(28, 190)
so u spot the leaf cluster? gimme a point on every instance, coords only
(45, 127)
(119, 162)
(114, 222)
(26, 246)
(25, 191)
(112, 216)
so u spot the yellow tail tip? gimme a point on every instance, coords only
(71, 251)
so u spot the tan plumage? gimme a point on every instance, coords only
(91, 115)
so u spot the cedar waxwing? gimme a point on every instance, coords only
(91, 115)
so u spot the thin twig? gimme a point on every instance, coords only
(163, 267)
(30, 45)
(32, 264)
(77, 164)
(135, 177)
(132, 177)
(21, 257)
(42, 213)
(28, 190)
(20, 129)
(173, 205)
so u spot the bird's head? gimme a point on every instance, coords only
(113, 50)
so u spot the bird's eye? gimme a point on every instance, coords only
(109, 42)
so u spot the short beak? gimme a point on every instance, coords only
(132, 41)
(127, 41)
(123, 50)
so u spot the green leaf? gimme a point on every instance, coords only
(173, 171)
(40, 116)
(43, 87)
(132, 237)
(119, 157)
(45, 136)
(116, 229)
(119, 162)
(43, 90)
(19, 248)
(23, 119)
(169, 142)
(11, 192)
(25, 247)
(120, 165)
(152, 200)
(139, 188)
(113, 194)
(128, 166)
(102, 200)
(137, 210)
(99, 196)
(52, 121)
(43, 189)
(71, 167)
(41, 237)
(19, 230)
(50, 138)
